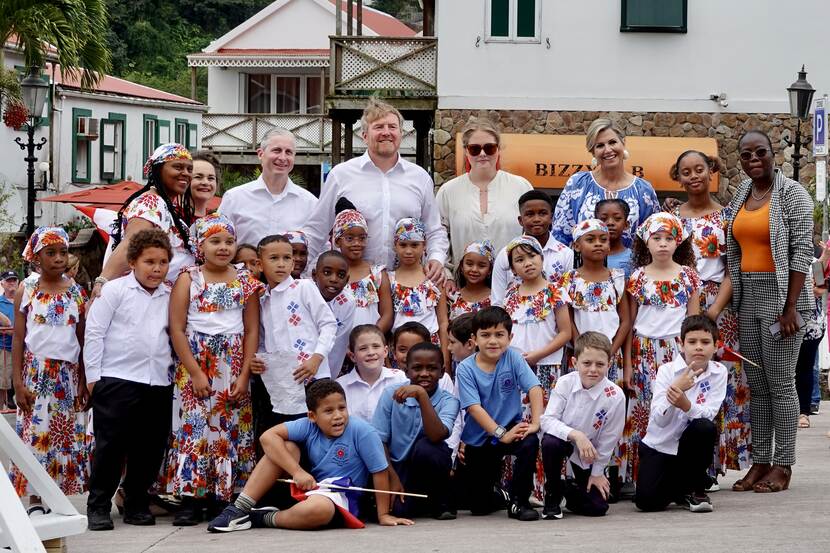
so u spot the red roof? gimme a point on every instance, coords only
(273, 51)
(109, 196)
(11, 42)
(114, 85)
(380, 22)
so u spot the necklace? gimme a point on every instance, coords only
(764, 195)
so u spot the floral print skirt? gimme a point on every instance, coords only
(647, 354)
(734, 444)
(54, 431)
(212, 450)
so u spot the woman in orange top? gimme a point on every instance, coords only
(769, 252)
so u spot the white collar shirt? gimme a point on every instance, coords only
(598, 412)
(343, 309)
(256, 213)
(666, 422)
(559, 259)
(362, 398)
(126, 334)
(406, 190)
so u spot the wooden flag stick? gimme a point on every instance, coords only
(735, 353)
(356, 489)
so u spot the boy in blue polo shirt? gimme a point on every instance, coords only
(335, 446)
(489, 383)
(9, 281)
(413, 422)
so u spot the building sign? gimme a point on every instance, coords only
(548, 161)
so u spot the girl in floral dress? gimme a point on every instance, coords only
(49, 382)
(369, 283)
(708, 221)
(663, 290)
(473, 275)
(414, 296)
(541, 323)
(214, 328)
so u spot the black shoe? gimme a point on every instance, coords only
(521, 512)
(552, 509)
(139, 518)
(697, 503)
(232, 519)
(189, 515)
(99, 520)
(444, 514)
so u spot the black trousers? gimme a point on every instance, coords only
(131, 422)
(484, 469)
(804, 374)
(588, 503)
(664, 478)
(425, 470)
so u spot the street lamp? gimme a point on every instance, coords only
(801, 98)
(34, 91)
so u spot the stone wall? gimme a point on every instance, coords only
(726, 128)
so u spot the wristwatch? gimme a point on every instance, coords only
(499, 432)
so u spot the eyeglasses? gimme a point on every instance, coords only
(489, 149)
(760, 153)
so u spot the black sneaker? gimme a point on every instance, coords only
(139, 518)
(188, 515)
(552, 509)
(814, 409)
(522, 512)
(232, 519)
(258, 516)
(99, 520)
(697, 503)
(444, 514)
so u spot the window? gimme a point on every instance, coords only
(288, 94)
(163, 135)
(313, 95)
(150, 135)
(81, 145)
(113, 146)
(514, 20)
(181, 132)
(654, 16)
(192, 136)
(259, 93)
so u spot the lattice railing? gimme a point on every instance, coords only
(389, 65)
(243, 131)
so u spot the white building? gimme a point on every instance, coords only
(93, 137)
(553, 66)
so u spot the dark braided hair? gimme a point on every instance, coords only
(182, 210)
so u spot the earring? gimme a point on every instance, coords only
(593, 162)
(625, 154)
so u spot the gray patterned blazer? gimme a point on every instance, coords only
(791, 234)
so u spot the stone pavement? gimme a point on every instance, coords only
(792, 521)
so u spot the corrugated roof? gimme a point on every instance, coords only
(380, 22)
(123, 87)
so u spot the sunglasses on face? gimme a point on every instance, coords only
(489, 149)
(760, 153)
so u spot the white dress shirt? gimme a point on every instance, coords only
(598, 412)
(406, 190)
(126, 334)
(256, 213)
(361, 398)
(666, 422)
(460, 208)
(559, 259)
(343, 308)
(296, 323)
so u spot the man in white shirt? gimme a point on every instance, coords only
(583, 421)
(677, 448)
(272, 204)
(385, 188)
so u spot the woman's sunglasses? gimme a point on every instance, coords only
(489, 149)
(760, 153)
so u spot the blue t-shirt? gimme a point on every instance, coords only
(7, 309)
(400, 425)
(354, 454)
(621, 260)
(497, 392)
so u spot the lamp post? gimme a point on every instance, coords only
(801, 98)
(34, 91)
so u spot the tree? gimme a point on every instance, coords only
(76, 28)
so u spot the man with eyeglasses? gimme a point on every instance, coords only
(385, 188)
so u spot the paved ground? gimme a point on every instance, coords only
(793, 521)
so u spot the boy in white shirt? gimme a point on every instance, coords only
(331, 274)
(128, 364)
(677, 448)
(584, 421)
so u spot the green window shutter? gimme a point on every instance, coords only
(181, 131)
(660, 16)
(526, 19)
(192, 136)
(500, 18)
(81, 149)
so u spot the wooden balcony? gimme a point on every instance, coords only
(402, 71)
(242, 132)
